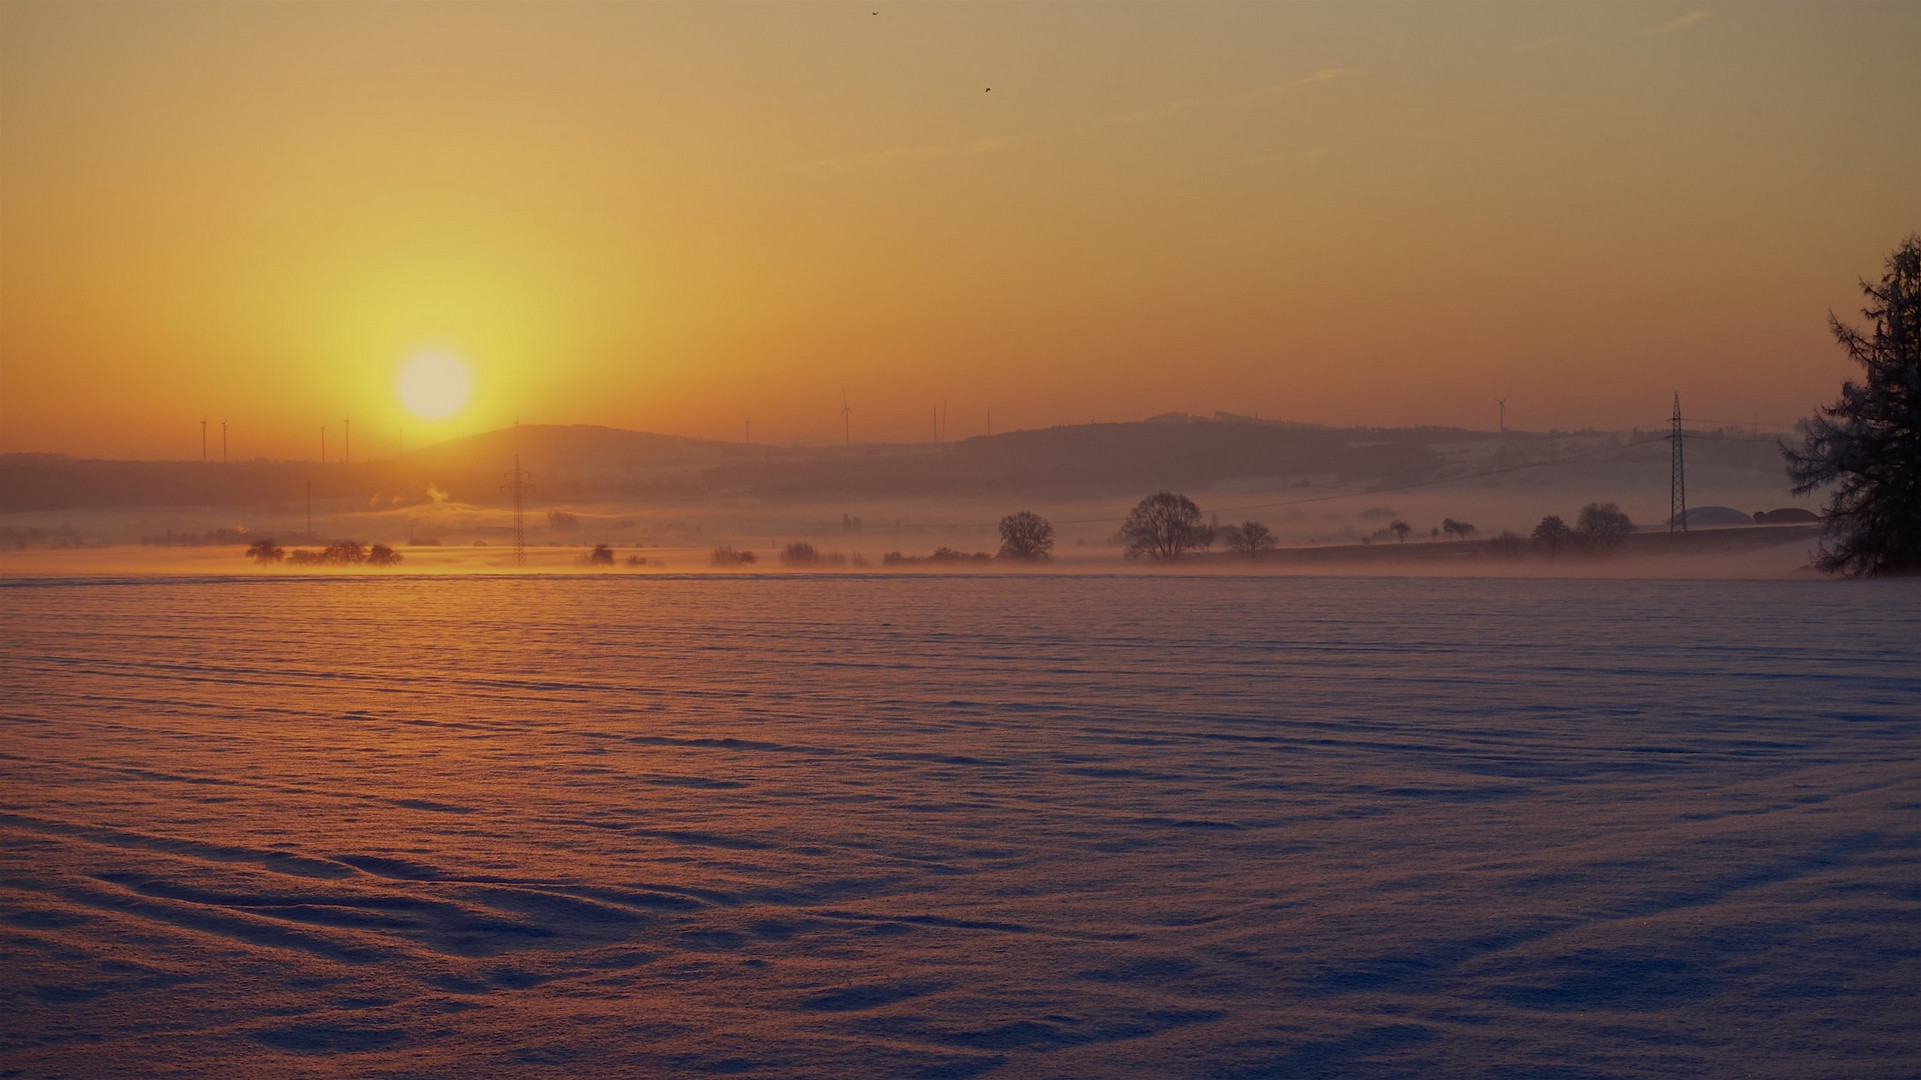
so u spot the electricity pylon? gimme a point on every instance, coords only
(518, 485)
(1677, 477)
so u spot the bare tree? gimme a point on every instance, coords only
(602, 555)
(1164, 526)
(1551, 533)
(1603, 526)
(1027, 536)
(265, 551)
(1458, 530)
(1249, 538)
(345, 553)
(382, 555)
(1868, 444)
(1400, 529)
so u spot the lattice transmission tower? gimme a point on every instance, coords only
(1677, 477)
(518, 485)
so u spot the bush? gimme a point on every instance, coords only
(726, 556)
(602, 555)
(799, 553)
(943, 555)
(345, 553)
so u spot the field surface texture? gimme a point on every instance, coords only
(948, 827)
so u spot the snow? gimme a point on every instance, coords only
(955, 826)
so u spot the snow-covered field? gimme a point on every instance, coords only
(950, 826)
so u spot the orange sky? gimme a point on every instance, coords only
(680, 217)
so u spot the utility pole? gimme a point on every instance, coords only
(517, 485)
(1502, 402)
(1677, 477)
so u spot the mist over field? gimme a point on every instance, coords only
(669, 502)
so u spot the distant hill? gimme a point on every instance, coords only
(578, 462)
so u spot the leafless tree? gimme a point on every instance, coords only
(1551, 533)
(1027, 536)
(1249, 538)
(1602, 526)
(1164, 526)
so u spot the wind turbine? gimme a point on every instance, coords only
(1502, 402)
(847, 418)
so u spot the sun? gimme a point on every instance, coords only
(433, 386)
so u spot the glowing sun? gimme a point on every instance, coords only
(433, 386)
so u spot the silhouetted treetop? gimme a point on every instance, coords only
(1603, 526)
(1164, 526)
(1249, 538)
(1868, 444)
(1026, 536)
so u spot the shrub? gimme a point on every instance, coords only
(726, 556)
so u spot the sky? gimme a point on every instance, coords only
(688, 218)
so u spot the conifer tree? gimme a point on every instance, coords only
(1868, 444)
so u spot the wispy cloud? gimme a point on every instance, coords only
(1542, 43)
(911, 154)
(1181, 105)
(1681, 23)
